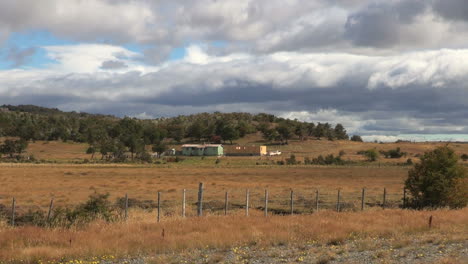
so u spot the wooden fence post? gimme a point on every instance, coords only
(126, 206)
(338, 201)
(266, 202)
(292, 202)
(404, 198)
(316, 200)
(13, 210)
(226, 202)
(200, 199)
(247, 194)
(384, 197)
(183, 202)
(51, 207)
(159, 207)
(362, 198)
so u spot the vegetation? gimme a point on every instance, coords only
(464, 157)
(438, 180)
(356, 138)
(394, 153)
(114, 137)
(370, 154)
(141, 236)
(327, 160)
(13, 148)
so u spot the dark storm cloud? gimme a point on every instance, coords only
(452, 9)
(380, 25)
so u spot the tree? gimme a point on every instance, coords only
(229, 132)
(285, 132)
(340, 132)
(438, 180)
(12, 147)
(159, 148)
(356, 138)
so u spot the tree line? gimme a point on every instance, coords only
(112, 137)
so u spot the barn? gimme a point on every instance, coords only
(236, 150)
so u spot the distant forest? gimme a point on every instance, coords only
(108, 134)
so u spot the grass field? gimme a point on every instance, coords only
(71, 152)
(141, 236)
(33, 185)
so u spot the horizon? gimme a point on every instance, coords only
(386, 70)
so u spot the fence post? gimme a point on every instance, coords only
(247, 194)
(13, 210)
(316, 200)
(404, 198)
(51, 207)
(126, 206)
(226, 201)
(159, 207)
(338, 201)
(384, 197)
(183, 202)
(200, 199)
(362, 198)
(266, 202)
(292, 202)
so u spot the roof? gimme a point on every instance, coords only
(201, 146)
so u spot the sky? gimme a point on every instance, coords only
(385, 69)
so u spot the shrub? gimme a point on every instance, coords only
(370, 154)
(409, 162)
(464, 157)
(393, 153)
(280, 162)
(292, 160)
(356, 138)
(438, 181)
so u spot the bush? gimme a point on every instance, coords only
(393, 153)
(370, 154)
(438, 181)
(280, 162)
(464, 157)
(356, 138)
(292, 160)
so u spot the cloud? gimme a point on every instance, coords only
(19, 57)
(113, 64)
(452, 9)
(425, 90)
(247, 26)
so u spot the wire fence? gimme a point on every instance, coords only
(212, 201)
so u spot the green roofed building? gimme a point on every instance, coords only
(202, 150)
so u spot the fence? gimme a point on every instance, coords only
(219, 202)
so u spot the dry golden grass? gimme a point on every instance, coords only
(57, 150)
(36, 184)
(67, 152)
(142, 236)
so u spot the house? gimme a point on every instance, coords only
(237, 150)
(202, 150)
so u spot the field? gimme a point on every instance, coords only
(75, 152)
(382, 235)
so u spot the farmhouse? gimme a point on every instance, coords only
(202, 150)
(245, 150)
